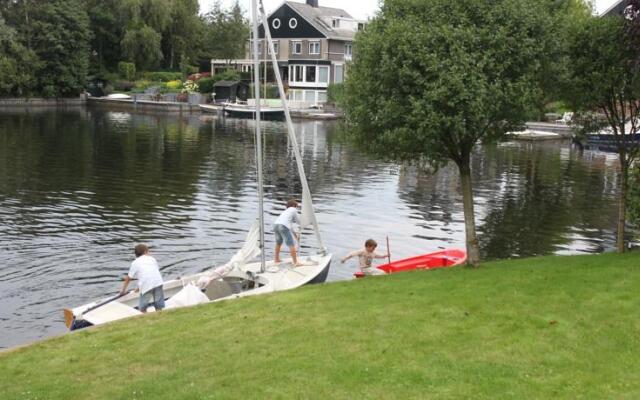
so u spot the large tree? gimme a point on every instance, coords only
(226, 32)
(604, 78)
(16, 64)
(432, 78)
(58, 34)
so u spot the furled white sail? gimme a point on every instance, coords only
(249, 251)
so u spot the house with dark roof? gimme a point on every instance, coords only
(616, 8)
(313, 45)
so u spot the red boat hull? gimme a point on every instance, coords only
(437, 259)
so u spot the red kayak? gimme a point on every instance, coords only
(437, 259)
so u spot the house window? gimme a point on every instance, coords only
(293, 23)
(310, 75)
(335, 23)
(314, 47)
(339, 74)
(296, 47)
(298, 75)
(276, 23)
(348, 50)
(275, 47)
(323, 74)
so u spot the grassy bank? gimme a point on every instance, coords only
(552, 327)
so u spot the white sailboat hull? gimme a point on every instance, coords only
(243, 281)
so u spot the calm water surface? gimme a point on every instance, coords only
(78, 188)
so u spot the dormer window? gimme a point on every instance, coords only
(335, 23)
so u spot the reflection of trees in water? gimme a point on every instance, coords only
(535, 198)
(530, 198)
(118, 161)
(433, 196)
(330, 165)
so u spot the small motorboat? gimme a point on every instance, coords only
(249, 111)
(436, 259)
(119, 96)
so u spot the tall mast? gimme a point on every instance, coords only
(256, 92)
(306, 193)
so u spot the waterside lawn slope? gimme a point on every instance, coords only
(541, 328)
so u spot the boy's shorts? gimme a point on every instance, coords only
(283, 234)
(158, 299)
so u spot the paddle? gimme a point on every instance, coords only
(388, 251)
(106, 301)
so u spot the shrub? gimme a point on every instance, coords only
(161, 76)
(127, 70)
(228, 75)
(205, 85)
(335, 92)
(123, 86)
(189, 87)
(173, 85)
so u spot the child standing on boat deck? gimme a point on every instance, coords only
(145, 269)
(365, 258)
(285, 227)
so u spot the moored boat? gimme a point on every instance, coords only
(240, 276)
(433, 260)
(248, 111)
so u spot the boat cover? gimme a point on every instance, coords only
(190, 295)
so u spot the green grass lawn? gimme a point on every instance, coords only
(542, 328)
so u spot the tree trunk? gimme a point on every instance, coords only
(622, 202)
(473, 250)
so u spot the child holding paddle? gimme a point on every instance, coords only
(365, 257)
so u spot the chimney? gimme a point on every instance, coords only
(313, 3)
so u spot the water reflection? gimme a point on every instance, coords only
(79, 187)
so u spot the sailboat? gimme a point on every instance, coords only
(241, 276)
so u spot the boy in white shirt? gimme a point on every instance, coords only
(365, 258)
(145, 269)
(284, 228)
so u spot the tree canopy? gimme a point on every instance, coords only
(51, 47)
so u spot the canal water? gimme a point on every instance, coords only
(80, 187)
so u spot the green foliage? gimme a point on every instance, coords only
(335, 92)
(55, 35)
(434, 77)
(226, 32)
(173, 85)
(205, 85)
(142, 46)
(518, 329)
(123, 85)
(162, 76)
(186, 68)
(228, 75)
(127, 70)
(16, 78)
